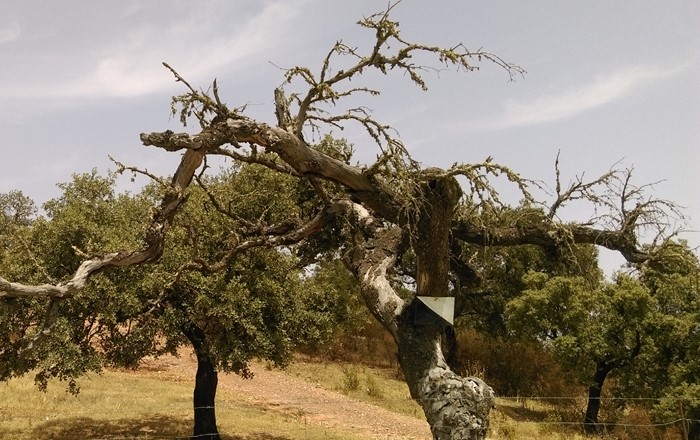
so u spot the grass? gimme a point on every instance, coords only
(124, 405)
(379, 386)
(371, 385)
(121, 405)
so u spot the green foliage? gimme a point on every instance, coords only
(586, 325)
(671, 367)
(333, 307)
(256, 307)
(503, 268)
(252, 308)
(64, 339)
(252, 312)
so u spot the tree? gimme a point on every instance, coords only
(670, 368)
(64, 338)
(502, 269)
(385, 211)
(593, 331)
(228, 290)
(252, 309)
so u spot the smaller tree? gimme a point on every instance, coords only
(670, 367)
(592, 330)
(223, 286)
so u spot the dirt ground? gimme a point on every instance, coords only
(277, 391)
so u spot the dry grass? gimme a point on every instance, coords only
(125, 405)
(122, 405)
(510, 420)
(373, 385)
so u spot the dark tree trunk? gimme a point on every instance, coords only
(590, 420)
(205, 384)
(694, 430)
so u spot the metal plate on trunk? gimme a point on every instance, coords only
(436, 310)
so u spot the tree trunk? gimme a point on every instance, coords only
(590, 420)
(456, 408)
(205, 384)
(694, 430)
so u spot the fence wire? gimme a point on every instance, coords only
(183, 413)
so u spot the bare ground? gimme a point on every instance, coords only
(278, 391)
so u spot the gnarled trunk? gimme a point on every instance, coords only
(456, 408)
(205, 384)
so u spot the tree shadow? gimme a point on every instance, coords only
(158, 426)
(523, 414)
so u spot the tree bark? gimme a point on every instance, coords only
(694, 430)
(456, 408)
(205, 385)
(590, 420)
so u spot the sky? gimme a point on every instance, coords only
(606, 84)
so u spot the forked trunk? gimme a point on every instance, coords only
(205, 385)
(456, 408)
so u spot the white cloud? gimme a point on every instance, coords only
(575, 100)
(9, 33)
(130, 64)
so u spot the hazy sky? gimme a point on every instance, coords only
(607, 82)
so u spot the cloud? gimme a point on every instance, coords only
(602, 90)
(129, 64)
(9, 33)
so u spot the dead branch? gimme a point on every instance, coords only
(151, 250)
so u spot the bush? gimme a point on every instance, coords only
(512, 367)
(351, 378)
(373, 388)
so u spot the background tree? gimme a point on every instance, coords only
(65, 338)
(670, 367)
(593, 330)
(501, 269)
(230, 291)
(249, 307)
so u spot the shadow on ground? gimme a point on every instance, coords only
(86, 428)
(523, 414)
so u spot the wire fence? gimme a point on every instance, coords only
(625, 417)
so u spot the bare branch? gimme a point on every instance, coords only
(325, 87)
(121, 168)
(279, 235)
(151, 250)
(267, 160)
(549, 235)
(480, 189)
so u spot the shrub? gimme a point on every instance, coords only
(513, 367)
